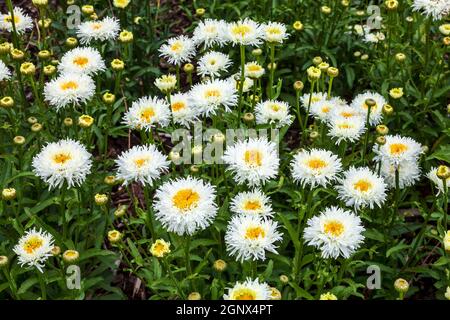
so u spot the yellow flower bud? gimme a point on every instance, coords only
(188, 68)
(87, 9)
(298, 26)
(333, 72)
(32, 120)
(70, 256)
(49, 70)
(328, 296)
(47, 23)
(3, 261)
(44, 54)
(5, 48)
(17, 54)
(56, 251)
(122, 4)
(27, 69)
(110, 180)
(313, 73)
(85, 121)
(114, 236)
(194, 169)
(101, 199)
(200, 12)
(382, 129)
(7, 102)
(381, 140)
(256, 52)
(160, 248)
(8, 194)
(298, 85)
(325, 9)
(248, 117)
(401, 285)
(40, 3)
(19, 140)
(117, 65)
(396, 93)
(400, 57)
(391, 4)
(219, 265)
(317, 60)
(68, 122)
(284, 279)
(126, 36)
(71, 42)
(275, 294)
(443, 172)
(36, 127)
(388, 109)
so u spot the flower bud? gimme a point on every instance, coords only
(443, 172)
(194, 169)
(87, 9)
(8, 194)
(382, 129)
(391, 4)
(248, 117)
(68, 122)
(114, 236)
(160, 248)
(47, 23)
(188, 68)
(256, 52)
(5, 48)
(275, 294)
(200, 12)
(388, 109)
(7, 102)
(446, 41)
(56, 251)
(219, 265)
(284, 279)
(36, 127)
(325, 9)
(345, 3)
(19, 140)
(32, 120)
(121, 211)
(328, 296)
(85, 121)
(3, 261)
(271, 65)
(401, 285)
(121, 4)
(70, 256)
(370, 103)
(126, 36)
(110, 180)
(313, 74)
(109, 98)
(27, 69)
(174, 156)
(298, 85)
(194, 296)
(117, 65)
(323, 66)
(101, 199)
(49, 70)
(396, 93)
(298, 26)
(314, 134)
(364, 57)
(333, 72)
(357, 54)
(44, 54)
(317, 60)
(71, 42)
(400, 57)
(17, 54)
(381, 140)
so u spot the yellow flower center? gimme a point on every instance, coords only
(177, 106)
(344, 126)
(147, 114)
(326, 109)
(254, 233)
(315, 99)
(186, 199)
(212, 61)
(254, 68)
(273, 30)
(244, 294)
(211, 29)
(241, 30)
(81, 61)
(252, 205)
(253, 158)
(32, 244)
(176, 46)
(159, 249)
(316, 164)
(8, 19)
(212, 93)
(96, 26)
(62, 158)
(362, 185)
(69, 85)
(333, 227)
(139, 162)
(397, 148)
(347, 114)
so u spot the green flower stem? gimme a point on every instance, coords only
(44, 32)
(177, 68)
(297, 108)
(172, 277)
(149, 213)
(307, 111)
(62, 199)
(15, 36)
(330, 85)
(445, 198)
(241, 82)
(187, 250)
(12, 283)
(42, 281)
(272, 69)
(366, 138)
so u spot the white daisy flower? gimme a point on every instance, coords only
(143, 164)
(22, 21)
(82, 60)
(346, 129)
(248, 237)
(183, 110)
(147, 112)
(210, 32)
(438, 181)
(253, 202)
(323, 109)
(99, 30)
(249, 290)
(66, 161)
(408, 173)
(275, 32)
(376, 115)
(178, 50)
(397, 149)
(345, 112)
(34, 248)
(5, 74)
(361, 188)
(248, 82)
(185, 205)
(253, 70)
(373, 37)
(245, 32)
(211, 95)
(316, 167)
(437, 9)
(213, 63)
(273, 112)
(253, 161)
(69, 89)
(316, 97)
(166, 83)
(336, 232)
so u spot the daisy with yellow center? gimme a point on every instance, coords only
(22, 21)
(210, 96)
(249, 290)
(178, 50)
(183, 110)
(336, 232)
(210, 32)
(376, 115)
(253, 70)
(316, 167)
(34, 248)
(99, 30)
(360, 188)
(185, 206)
(346, 128)
(212, 64)
(166, 83)
(245, 32)
(275, 32)
(248, 237)
(397, 149)
(147, 112)
(63, 162)
(142, 164)
(82, 60)
(252, 203)
(273, 112)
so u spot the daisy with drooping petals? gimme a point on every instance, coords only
(211, 95)
(252, 203)
(253, 70)
(408, 173)
(438, 181)
(248, 237)
(22, 21)
(273, 112)
(213, 63)
(98, 30)
(253, 161)
(185, 205)
(178, 50)
(342, 129)
(69, 89)
(397, 149)
(437, 9)
(166, 83)
(143, 164)
(360, 188)
(66, 161)
(210, 32)
(146, 113)
(316, 167)
(5, 74)
(336, 232)
(249, 290)
(275, 32)
(183, 110)
(245, 32)
(82, 60)
(34, 248)
(359, 103)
